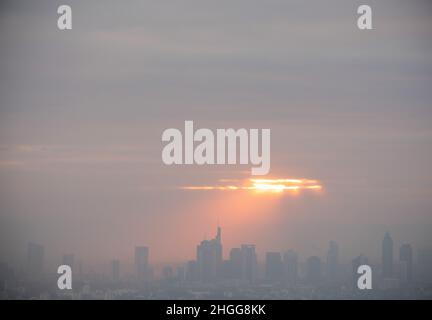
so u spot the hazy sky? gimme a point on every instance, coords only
(82, 113)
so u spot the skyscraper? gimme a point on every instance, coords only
(387, 256)
(141, 263)
(209, 258)
(406, 257)
(235, 263)
(274, 266)
(332, 261)
(249, 263)
(290, 262)
(35, 260)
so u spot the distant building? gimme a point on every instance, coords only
(406, 259)
(248, 263)
(209, 258)
(332, 261)
(387, 256)
(313, 270)
(35, 260)
(274, 267)
(115, 270)
(290, 263)
(141, 263)
(235, 263)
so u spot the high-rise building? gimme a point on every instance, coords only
(35, 260)
(274, 266)
(387, 256)
(406, 258)
(290, 262)
(248, 263)
(209, 258)
(235, 263)
(313, 270)
(141, 263)
(115, 270)
(332, 261)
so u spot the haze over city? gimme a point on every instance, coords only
(82, 114)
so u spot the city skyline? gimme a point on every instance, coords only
(209, 260)
(86, 173)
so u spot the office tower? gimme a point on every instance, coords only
(406, 258)
(387, 256)
(248, 263)
(235, 263)
(313, 270)
(68, 259)
(356, 263)
(274, 266)
(332, 261)
(290, 262)
(115, 270)
(35, 260)
(209, 258)
(141, 263)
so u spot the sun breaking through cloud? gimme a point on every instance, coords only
(261, 185)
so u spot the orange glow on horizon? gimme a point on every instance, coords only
(263, 185)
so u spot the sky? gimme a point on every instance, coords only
(82, 113)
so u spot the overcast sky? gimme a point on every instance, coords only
(82, 113)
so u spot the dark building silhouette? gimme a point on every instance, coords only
(332, 261)
(406, 258)
(387, 256)
(235, 263)
(115, 270)
(141, 263)
(248, 263)
(290, 263)
(35, 260)
(209, 258)
(274, 266)
(313, 270)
